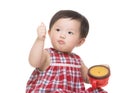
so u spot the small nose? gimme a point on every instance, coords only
(63, 35)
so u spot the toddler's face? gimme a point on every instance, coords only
(65, 34)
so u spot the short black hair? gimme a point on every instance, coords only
(75, 16)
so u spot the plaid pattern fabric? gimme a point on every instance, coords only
(62, 76)
(98, 90)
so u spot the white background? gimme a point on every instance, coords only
(18, 23)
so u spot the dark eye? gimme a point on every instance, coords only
(57, 30)
(70, 33)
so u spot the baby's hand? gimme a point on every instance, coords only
(41, 31)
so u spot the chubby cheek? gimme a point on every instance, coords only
(73, 40)
(53, 39)
(71, 43)
(51, 35)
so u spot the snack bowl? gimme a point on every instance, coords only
(98, 75)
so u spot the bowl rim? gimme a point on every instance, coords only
(99, 77)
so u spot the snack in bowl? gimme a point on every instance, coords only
(98, 75)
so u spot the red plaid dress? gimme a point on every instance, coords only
(62, 76)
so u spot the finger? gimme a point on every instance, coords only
(41, 31)
(42, 27)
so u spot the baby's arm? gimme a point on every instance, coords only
(38, 57)
(84, 72)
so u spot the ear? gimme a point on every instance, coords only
(49, 32)
(81, 41)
